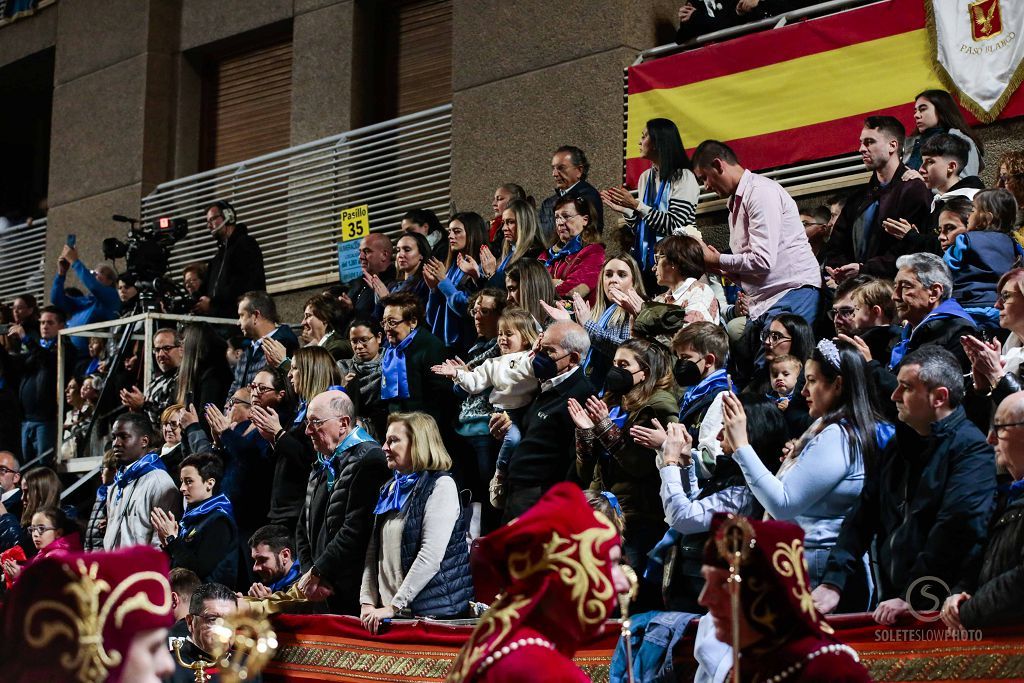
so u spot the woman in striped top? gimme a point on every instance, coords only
(668, 192)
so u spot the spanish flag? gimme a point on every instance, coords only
(794, 94)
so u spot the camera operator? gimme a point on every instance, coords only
(128, 293)
(235, 269)
(102, 302)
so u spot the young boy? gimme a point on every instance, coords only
(785, 373)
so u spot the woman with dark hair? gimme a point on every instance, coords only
(668, 192)
(204, 374)
(529, 285)
(205, 540)
(323, 324)
(689, 507)
(410, 350)
(935, 112)
(786, 335)
(502, 196)
(426, 223)
(575, 259)
(679, 266)
(40, 488)
(360, 375)
(412, 252)
(822, 477)
(451, 284)
(637, 393)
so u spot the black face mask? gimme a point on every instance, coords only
(686, 372)
(618, 380)
(544, 366)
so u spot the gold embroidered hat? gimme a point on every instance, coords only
(556, 553)
(775, 586)
(73, 617)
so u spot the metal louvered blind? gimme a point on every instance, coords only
(251, 110)
(424, 55)
(23, 255)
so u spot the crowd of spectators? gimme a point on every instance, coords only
(851, 367)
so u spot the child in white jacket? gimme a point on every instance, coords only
(508, 376)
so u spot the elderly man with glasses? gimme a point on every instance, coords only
(163, 388)
(994, 596)
(337, 517)
(10, 493)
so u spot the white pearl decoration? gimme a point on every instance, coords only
(512, 647)
(827, 649)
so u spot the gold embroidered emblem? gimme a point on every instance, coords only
(986, 19)
(789, 561)
(49, 619)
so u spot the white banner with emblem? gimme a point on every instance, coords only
(979, 50)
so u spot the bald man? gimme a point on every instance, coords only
(375, 256)
(994, 594)
(10, 500)
(337, 518)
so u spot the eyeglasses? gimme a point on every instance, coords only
(165, 349)
(773, 338)
(479, 310)
(1006, 296)
(999, 428)
(7, 470)
(362, 341)
(317, 424)
(841, 312)
(258, 389)
(40, 529)
(231, 402)
(561, 217)
(1003, 177)
(390, 323)
(172, 425)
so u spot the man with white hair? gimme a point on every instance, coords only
(994, 596)
(337, 518)
(546, 453)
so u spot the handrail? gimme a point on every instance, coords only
(777, 21)
(291, 199)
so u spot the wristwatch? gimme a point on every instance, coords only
(314, 571)
(170, 538)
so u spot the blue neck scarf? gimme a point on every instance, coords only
(602, 322)
(618, 416)
(150, 462)
(101, 494)
(394, 493)
(776, 399)
(715, 382)
(574, 245)
(1014, 490)
(947, 309)
(47, 343)
(195, 513)
(294, 572)
(300, 414)
(330, 463)
(504, 261)
(394, 383)
(645, 240)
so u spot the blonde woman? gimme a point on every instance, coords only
(417, 562)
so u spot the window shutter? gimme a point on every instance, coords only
(424, 55)
(252, 103)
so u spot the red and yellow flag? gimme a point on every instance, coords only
(794, 94)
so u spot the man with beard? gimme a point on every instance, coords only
(273, 560)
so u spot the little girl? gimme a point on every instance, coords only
(978, 256)
(510, 378)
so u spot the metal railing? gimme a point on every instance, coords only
(23, 260)
(799, 179)
(291, 200)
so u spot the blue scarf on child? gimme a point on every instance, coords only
(396, 492)
(148, 463)
(195, 513)
(715, 382)
(394, 382)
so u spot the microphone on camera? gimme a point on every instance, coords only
(123, 219)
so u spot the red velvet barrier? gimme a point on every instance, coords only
(334, 648)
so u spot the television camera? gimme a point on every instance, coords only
(146, 251)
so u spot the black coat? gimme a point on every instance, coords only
(927, 505)
(997, 592)
(425, 388)
(293, 457)
(235, 269)
(210, 549)
(36, 369)
(363, 301)
(334, 526)
(547, 452)
(900, 199)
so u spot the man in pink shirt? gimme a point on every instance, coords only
(771, 258)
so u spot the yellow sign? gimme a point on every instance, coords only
(355, 223)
